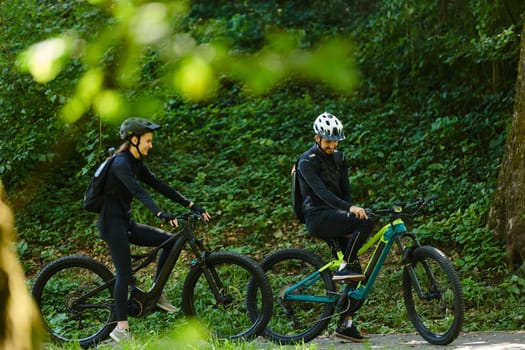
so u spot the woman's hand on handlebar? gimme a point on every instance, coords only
(168, 218)
(199, 210)
(205, 216)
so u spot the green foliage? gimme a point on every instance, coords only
(184, 337)
(429, 116)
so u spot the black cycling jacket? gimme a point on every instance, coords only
(324, 180)
(123, 184)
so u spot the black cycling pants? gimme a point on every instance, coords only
(350, 232)
(119, 247)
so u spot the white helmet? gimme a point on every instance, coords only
(329, 127)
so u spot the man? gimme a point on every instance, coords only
(126, 175)
(328, 208)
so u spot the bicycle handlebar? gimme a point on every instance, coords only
(398, 209)
(190, 216)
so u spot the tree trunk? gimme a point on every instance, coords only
(20, 325)
(507, 213)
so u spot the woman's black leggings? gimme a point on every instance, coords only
(119, 247)
(350, 232)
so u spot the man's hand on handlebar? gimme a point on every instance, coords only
(359, 212)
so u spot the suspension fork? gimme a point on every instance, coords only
(408, 262)
(211, 275)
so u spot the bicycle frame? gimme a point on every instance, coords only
(383, 240)
(145, 301)
(308, 297)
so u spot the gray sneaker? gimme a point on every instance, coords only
(165, 304)
(120, 335)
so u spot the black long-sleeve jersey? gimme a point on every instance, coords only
(324, 180)
(124, 183)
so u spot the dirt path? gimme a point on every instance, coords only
(466, 341)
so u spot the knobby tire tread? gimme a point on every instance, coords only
(442, 338)
(319, 322)
(69, 262)
(196, 275)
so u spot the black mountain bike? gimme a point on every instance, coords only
(75, 293)
(305, 297)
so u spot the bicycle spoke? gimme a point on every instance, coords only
(68, 313)
(297, 320)
(433, 296)
(221, 302)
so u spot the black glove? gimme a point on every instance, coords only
(166, 217)
(196, 209)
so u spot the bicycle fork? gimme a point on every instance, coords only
(408, 260)
(212, 277)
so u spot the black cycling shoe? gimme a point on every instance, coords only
(348, 273)
(350, 333)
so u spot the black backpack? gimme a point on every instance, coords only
(94, 197)
(297, 196)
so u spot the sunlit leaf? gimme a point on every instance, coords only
(195, 79)
(45, 60)
(109, 104)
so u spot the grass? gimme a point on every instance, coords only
(185, 335)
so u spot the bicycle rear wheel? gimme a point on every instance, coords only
(217, 295)
(433, 296)
(75, 301)
(296, 321)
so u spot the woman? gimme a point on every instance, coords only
(116, 227)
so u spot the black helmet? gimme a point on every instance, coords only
(136, 126)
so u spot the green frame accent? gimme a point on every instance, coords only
(382, 240)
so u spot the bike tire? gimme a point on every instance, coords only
(227, 317)
(297, 321)
(438, 314)
(56, 290)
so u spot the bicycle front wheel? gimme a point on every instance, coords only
(216, 294)
(297, 321)
(433, 296)
(75, 300)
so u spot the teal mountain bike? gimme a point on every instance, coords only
(305, 297)
(75, 293)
